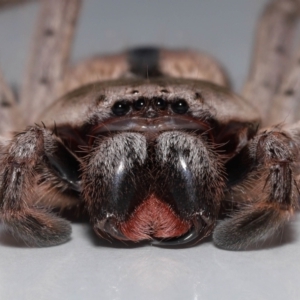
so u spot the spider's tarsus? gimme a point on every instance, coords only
(37, 228)
(249, 228)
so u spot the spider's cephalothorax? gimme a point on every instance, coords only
(152, 144)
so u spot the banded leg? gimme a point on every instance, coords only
(36, 170)
(272, 56)
(267, 196)
(49, 56)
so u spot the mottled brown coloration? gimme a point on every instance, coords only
(272, 57)
(49, 56)
(172, 63)
(193, 65)
(109, 67)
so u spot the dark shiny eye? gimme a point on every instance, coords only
(140, 104)
(160, 103)
(180, 106)
(120, 108)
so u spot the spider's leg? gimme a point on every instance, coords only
(49, 56)
(266, 197)
(286, 104)
(36, 173)
(10, 117)
(272, 55)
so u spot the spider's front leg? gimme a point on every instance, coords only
(267, 195)
(37, 174)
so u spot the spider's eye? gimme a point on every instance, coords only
(160, 103)
(120, 108)
(180, 106)
(139, 104)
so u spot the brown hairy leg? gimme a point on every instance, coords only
(273, 54)
(31, 185)
(267, 197)
(49, 56)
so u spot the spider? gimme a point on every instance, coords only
(151, 143)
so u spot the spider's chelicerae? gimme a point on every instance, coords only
(151, 143)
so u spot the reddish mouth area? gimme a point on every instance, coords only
(153, 219)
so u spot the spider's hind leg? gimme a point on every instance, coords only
(267, 196)
(36, 170)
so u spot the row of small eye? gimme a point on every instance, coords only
(122, 107)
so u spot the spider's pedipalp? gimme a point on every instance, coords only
(28, 183)
(268, 195)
